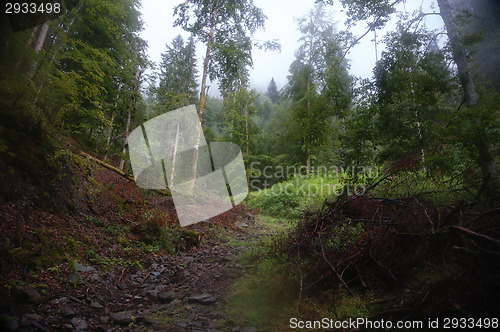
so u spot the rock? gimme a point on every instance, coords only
(97, 305)
(249, 329)
(250, 216)
(149, 320)
(166, 297)
(241, 224)
(32, 317)
(58, 301)
(187, 259)
(76, 266)
(74, 299)
(31, 295)
(205, 299)
(75, 279)
(122, 317)
(175, 329)
(79, 324)
(95, 278)
(68, 311)
(152, 294)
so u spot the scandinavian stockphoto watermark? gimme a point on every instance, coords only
(331, 180)
(170, 150)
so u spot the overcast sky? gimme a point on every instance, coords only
(158, 31)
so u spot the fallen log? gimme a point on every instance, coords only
(165, 192)
(108, 166)
(191, 234)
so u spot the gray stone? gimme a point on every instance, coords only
(95, 278)
(205, 299)
(75, 279)
(79, 324)
(153, 294)
(76, 266)
(175, 329)
(166, 297)
(122, 317)
(249, 329)
(97, 305)
(68, 311)
(149, 320)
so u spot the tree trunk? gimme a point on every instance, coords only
(174, 157)
(110, 131)
(203, 92)
(41, 37)
(486, 160)
(308, 148)
(129, 116)
(122, 162)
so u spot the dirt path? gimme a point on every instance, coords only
(170, 293)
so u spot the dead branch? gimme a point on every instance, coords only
(333, 268)
(482, 214)
(388, 271)
(476, 253)
(472, 233)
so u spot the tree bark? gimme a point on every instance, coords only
(110, 131)
(41, 37)
(486, 160)
(203, 91)
(129, 116)
(308, 147)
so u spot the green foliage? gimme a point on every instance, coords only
(272, 91)
(289, 198)
(238, 112)
(153, 231)
(411, 79)
(70, 83)
(177, 77)
(318, 85)
(225, 28)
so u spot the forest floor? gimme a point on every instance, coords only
(82, 248)
(88, 268)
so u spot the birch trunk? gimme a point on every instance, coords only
(129, 116)
(203, 91)
(308, 148)
(110, 131)
(486, 160)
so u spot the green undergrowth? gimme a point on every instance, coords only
(287, 199)
(290, 198)
(439, 189)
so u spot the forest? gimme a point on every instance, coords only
(371, 200)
